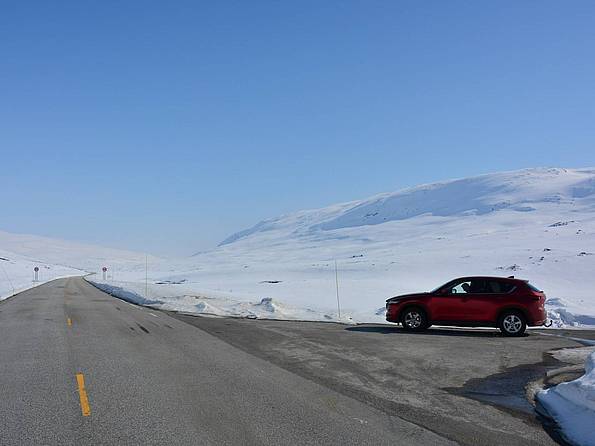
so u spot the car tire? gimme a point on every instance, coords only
(512, 323)
(414, 319)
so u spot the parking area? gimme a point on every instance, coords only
(467, 385)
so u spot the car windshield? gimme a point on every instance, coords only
(435, 290)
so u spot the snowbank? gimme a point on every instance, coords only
(572, 406)
(176, 297)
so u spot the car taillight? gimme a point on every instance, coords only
(537, 295)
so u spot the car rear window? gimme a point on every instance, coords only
(533, 288)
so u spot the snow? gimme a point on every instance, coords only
(572, 405)
(537, 224)
(68, 254)
(576, 355)
(20, 253)
(16, 273)
(179, 298)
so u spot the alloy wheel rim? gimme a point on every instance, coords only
(512, 323)
(413, 319)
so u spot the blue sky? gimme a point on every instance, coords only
(166, 126)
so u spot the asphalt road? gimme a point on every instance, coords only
(148, 378)
(152, 377)
(470, 386)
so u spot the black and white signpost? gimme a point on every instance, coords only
(36, 274)
(104, 269)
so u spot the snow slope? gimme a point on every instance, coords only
(16, 273)
(537, 224)
(70, 254)
(20, 253)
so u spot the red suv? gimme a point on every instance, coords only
(507, 303)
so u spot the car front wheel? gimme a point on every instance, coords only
(512, 323)
(414, 319)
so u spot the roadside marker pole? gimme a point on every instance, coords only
(146, 277)
(337, 285)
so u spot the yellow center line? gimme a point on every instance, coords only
(85, 408)
(69, 322)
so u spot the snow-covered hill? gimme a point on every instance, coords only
(20, 253)
(62, 252)
(16, 272)
(529, 190)
(537, 224)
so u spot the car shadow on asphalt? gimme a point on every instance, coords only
(386, 329)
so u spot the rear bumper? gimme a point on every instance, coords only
(537, 317)
(537, 323)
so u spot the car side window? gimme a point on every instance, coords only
(498, 287)
(478, 286)
(462, 287)
(475, 286)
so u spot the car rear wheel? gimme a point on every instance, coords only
(512, 323)
(414, 319)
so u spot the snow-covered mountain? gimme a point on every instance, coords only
(537, 224)
(530, 190)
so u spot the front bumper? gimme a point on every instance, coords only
(392, 312)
